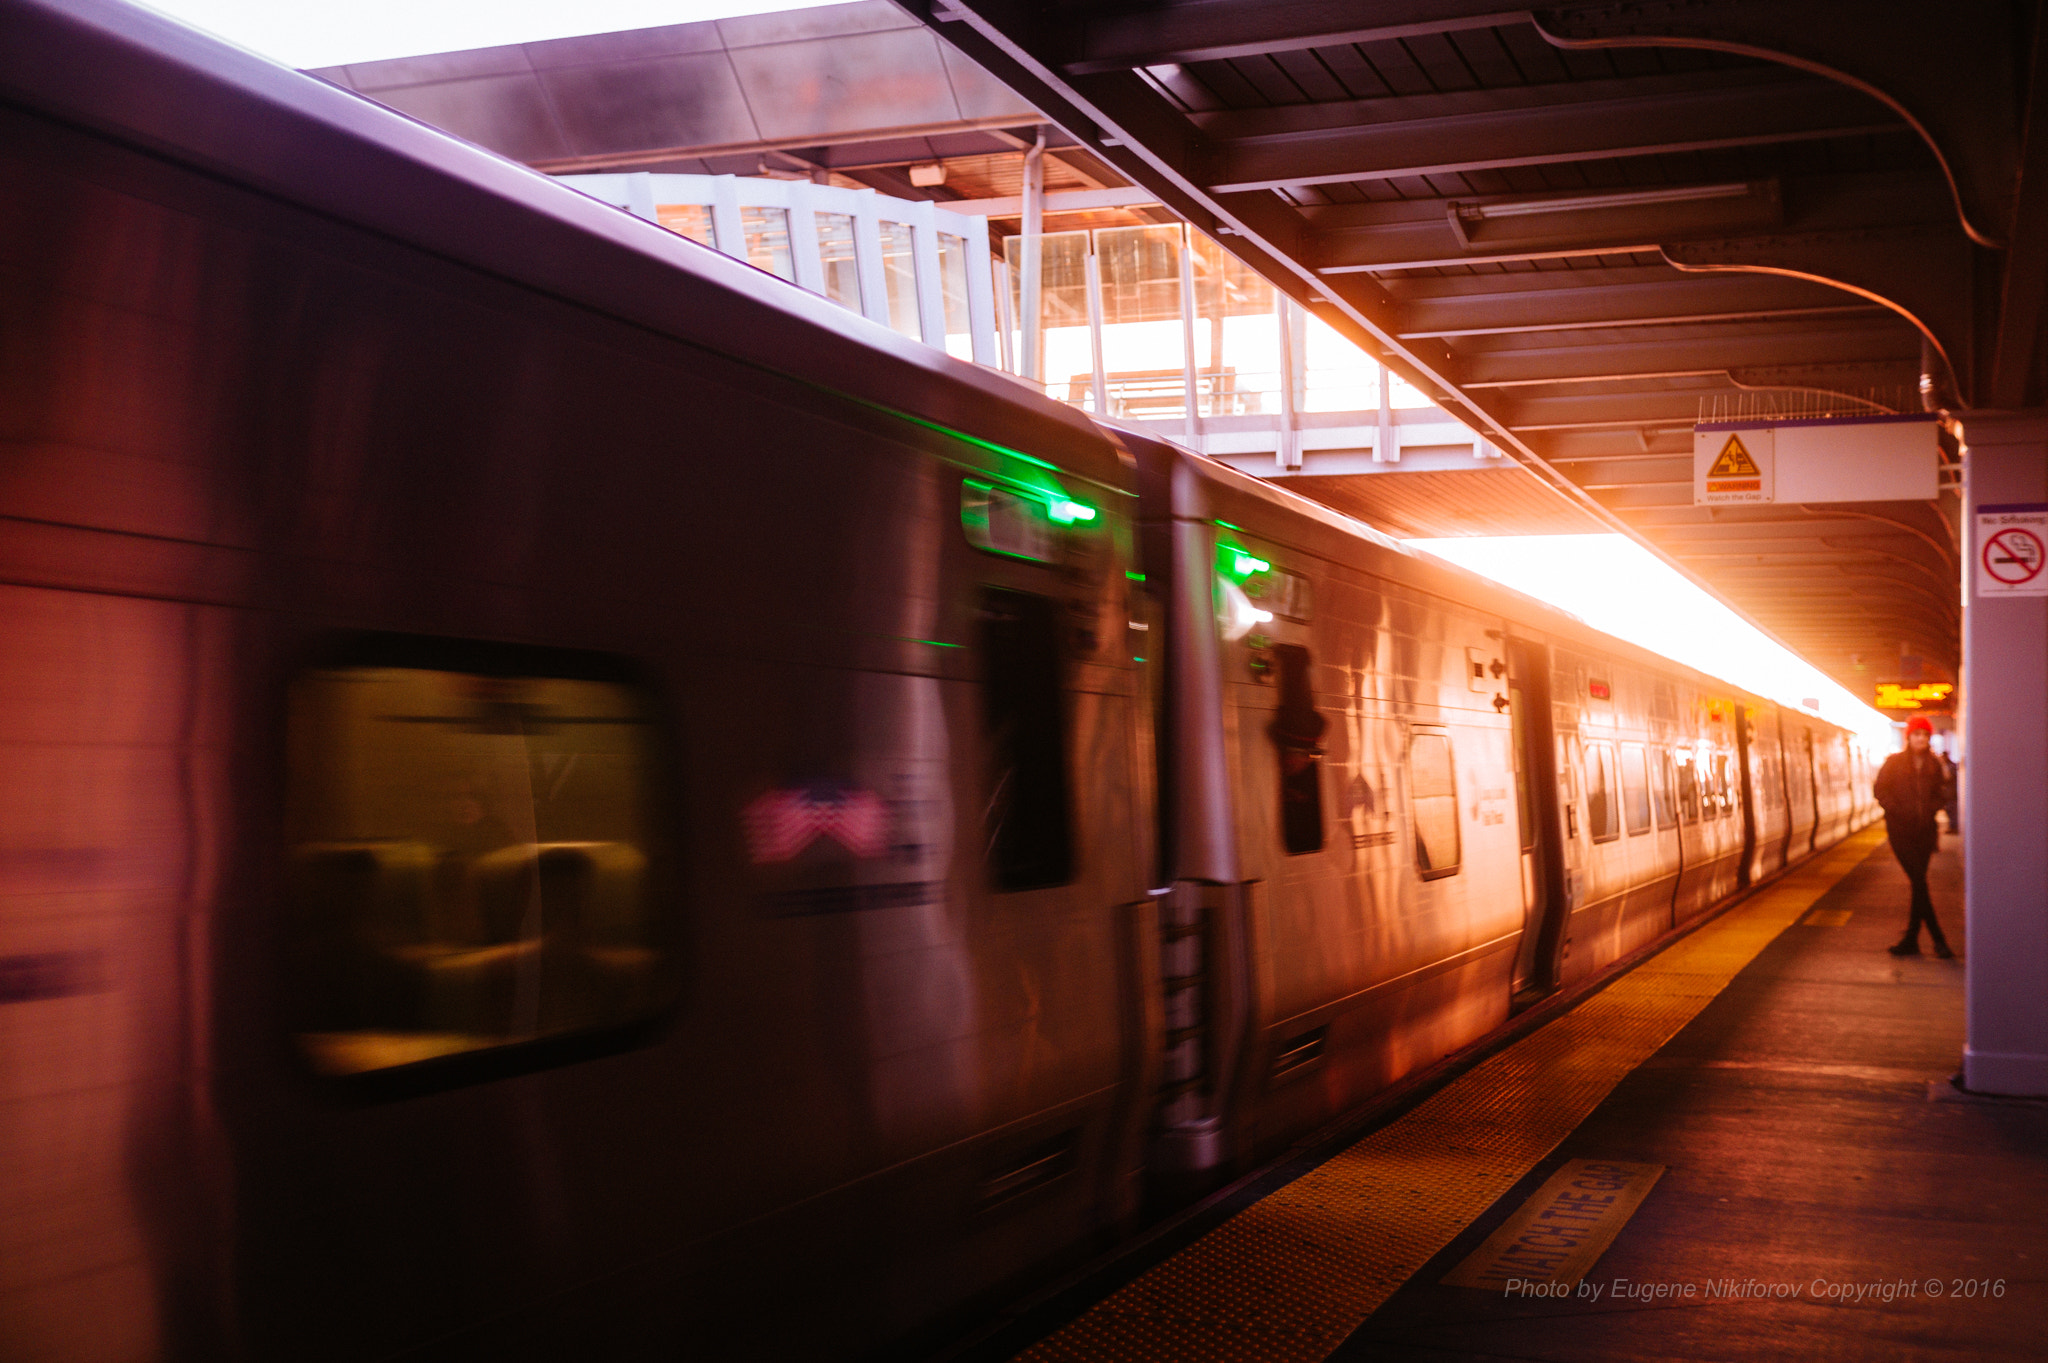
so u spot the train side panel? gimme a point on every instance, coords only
(1621, 839)
(266, 435)
(1365, 955)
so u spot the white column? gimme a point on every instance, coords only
(804, 260)
(1031, 266)
(640, 194)
(1006, 323)
(981, 297)
(726, 231)
(931, 286)
(867, 253)
(1099, 377)
(1187, 342)
(1386, 446)
(2005, 791)
(1287, 454)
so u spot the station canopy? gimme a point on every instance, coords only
(1600, 236)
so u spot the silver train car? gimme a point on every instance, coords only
(564, 798)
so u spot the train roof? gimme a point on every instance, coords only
(150, 81)
(1329, 533)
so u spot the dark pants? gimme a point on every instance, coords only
(1913, 846)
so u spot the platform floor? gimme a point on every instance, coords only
(1780, 1077)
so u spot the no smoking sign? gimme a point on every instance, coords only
(2012, 550)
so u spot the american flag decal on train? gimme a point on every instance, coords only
(782, 823)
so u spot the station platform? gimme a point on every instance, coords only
(1746, 1147)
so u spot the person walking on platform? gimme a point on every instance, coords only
(1913, 787)
(1954, 772)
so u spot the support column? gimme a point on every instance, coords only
(1098, 375)
(2005, 775)
(1386, 448)
(1031, 267)
(1190, 389)
(1287, 454)
(727, 230)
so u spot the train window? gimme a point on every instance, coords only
(1030, 844)
(1297, 731)
(1603, 810)
(997, 521)
(1688, 787)
(469, 864)
(1724, 799)
(1635, 788)
(1660, 791)
(1433, 802)
(1287, 594)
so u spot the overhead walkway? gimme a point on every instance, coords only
(1746, 1147)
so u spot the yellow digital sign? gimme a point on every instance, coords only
(1924, 696)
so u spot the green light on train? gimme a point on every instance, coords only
(1067, 511)
(1244, 565)
(1135, 577)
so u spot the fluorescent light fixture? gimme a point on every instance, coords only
(1636, 198)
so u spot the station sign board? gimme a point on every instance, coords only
(2012, 550)
(1910, 697)
(1823, 459)
(1733, 466)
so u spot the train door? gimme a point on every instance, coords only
(1536, 806)
(1813, 788)
(1746, 795)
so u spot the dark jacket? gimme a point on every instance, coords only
(1912, 788)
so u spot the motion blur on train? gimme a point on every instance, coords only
(567, 799)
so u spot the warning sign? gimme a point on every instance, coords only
(1562, 1230)
(2012, 549)
(1734, 462)
(1732, 465)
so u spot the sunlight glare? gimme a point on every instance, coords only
(1616, 585)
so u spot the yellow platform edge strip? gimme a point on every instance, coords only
(1287, 1279)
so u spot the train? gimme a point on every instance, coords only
(567, 798)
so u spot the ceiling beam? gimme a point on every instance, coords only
(1418, 233)
(1959, 90)
(1556, 284)
(1714, 351)
(1157, 34)
(1923, 272)
(1544, 125)
(1626, 319)
(1668, 296)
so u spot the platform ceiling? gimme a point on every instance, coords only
(1866, 206)
(1581, 228)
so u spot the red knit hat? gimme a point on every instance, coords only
(1920, 724)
